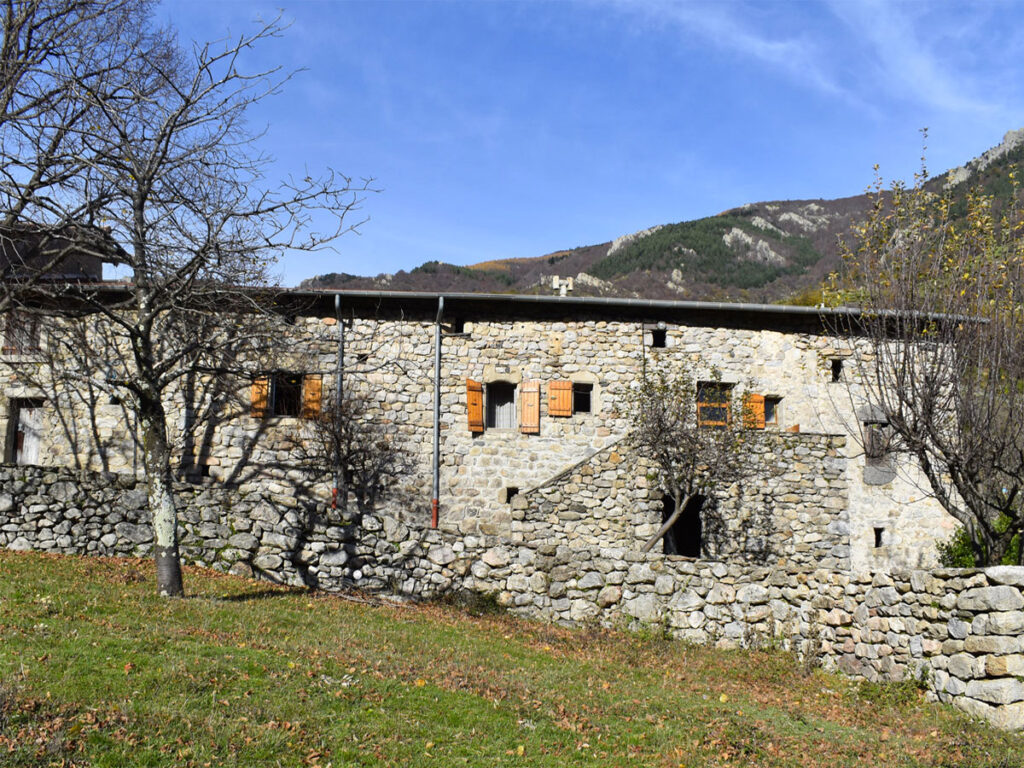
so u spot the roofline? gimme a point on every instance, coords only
(817, 320)
(754, 316)
(580, 301)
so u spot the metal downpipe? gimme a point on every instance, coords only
(437, 413)
(339, 391)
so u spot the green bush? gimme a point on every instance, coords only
(957, 552)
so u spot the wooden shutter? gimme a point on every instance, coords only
(312, 389)
(475, 405)
(560, 398)
(260, 397)
(529, 408)
(753, 411)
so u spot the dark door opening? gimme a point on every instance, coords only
(684, 537)
(24, 431)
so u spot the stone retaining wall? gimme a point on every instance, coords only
(957, 630)
(791, 507)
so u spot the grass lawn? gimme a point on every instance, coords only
(95, 670)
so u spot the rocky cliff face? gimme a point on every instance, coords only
(761, 252)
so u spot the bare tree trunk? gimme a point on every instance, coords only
(680, 506)
(156, 459)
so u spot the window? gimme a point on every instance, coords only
(501, 405)
(879, 537)
(283, 393)
(658, 336)
(713, 404)
(493, 406)
(582, 397)
(21, 333)
(837, 369)
(568, 397)
(772, 404)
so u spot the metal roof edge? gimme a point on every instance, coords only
(580, 301)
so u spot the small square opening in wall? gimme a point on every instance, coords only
(837, 369)
(582, 397)
(658, 337)
(772, 405)
(879, 537)
(510, 493)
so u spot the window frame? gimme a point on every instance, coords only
(724, 390)
(581, 389)
(305, 403)
(491, 415)
(22, 332)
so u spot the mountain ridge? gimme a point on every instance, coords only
(770, 251)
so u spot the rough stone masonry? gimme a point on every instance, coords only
(959, 631)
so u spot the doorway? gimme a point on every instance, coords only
(684, 537)
(24, 431)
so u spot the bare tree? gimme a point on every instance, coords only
(175, 176)
(347, 438)
(693, 434)
(943, 376)
(53, 52)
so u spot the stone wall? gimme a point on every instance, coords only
(790, 508)
(961, 632)
(389, 361)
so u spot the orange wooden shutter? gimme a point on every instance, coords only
(753, 411)
(529, 405)
(560, 398)
(475, 405)
(312, 388)
(260, 396)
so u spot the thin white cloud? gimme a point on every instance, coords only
(799, 58)
(904, 61)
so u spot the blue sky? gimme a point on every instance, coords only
(514, 129)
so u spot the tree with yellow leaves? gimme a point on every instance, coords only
(942, 305)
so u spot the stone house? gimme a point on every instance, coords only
(525, 395)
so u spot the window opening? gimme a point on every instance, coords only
(658, 336)
(771, 410)
(713, 404)
(684, 537)
(879, 537)
(837, 369)
(510, 492)
(21, 333)
(283, 393)
(501, 405)
(582, 397)
(286, 394)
